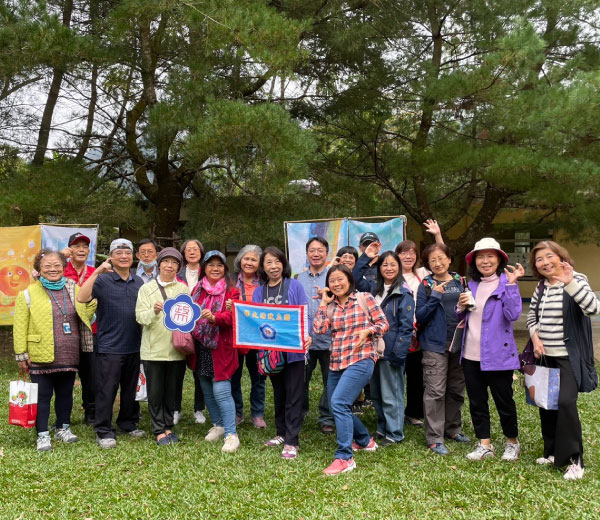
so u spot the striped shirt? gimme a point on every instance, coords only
(550, 328)
(346, 322)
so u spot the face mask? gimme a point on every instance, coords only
(147, 265)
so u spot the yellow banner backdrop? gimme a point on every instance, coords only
(18, 247)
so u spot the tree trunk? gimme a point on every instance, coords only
(57, 77)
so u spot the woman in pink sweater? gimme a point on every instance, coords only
(489, 355)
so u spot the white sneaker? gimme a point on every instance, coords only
(214, 434)
(65, 435)
(232, 443)
(199, 416)
(544, 460)
(512, 451)
(176, 417)
(574, 472)
(106, 443)
(44, 443)
(481, 452)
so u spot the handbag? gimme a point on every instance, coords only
(23, 404)
(183, 343)
(542, 386)
(270, 362)
(527, 357)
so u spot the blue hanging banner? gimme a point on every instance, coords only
(269, 327)
(181, 313)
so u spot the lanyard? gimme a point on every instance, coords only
(62, 311)
(82, 275)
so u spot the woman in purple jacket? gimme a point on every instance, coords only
(278, 288)
(489, 354)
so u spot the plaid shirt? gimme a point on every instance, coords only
(345, 324)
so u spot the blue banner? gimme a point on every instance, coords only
(390, 232)
(269, 327)
(57, 238)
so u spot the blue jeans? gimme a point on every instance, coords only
(387, 393)
(257, 390)
(343, 387)
(217, 395)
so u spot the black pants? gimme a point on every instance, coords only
(199, 404)
(414, 385)
(288, 390)
(61, 384)
(86, 376)
(500, 384)
(161, 382)
(321, 357)
(113, 371)
(561, 429)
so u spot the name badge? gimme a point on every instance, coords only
(67, 328)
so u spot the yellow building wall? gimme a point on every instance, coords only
(585, 256)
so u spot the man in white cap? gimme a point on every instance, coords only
(117, 356)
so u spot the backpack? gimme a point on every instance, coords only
(271, 362)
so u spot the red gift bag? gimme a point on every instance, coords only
(23, 403)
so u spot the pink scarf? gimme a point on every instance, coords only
(206, 332)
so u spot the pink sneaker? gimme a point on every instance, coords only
(372, 446)
(259, 422)
(289, 452)
(340, 466)
(275, 441)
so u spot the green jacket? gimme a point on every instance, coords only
(157, 340)
(33, 333)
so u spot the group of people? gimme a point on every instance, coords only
(379, 322)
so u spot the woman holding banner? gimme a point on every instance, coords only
(561, 333)
(48, 332)
(216, 359)
(288, 385)
(246, 279)
(356, 322)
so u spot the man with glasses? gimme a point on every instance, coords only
(313, 280)
(117, 356)
(146, 255)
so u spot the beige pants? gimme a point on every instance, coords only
(443, 398)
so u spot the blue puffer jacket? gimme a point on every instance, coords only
(399, 308)
(431, 317)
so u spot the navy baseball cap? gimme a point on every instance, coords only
(367, 238)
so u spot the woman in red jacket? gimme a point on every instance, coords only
(216, 360)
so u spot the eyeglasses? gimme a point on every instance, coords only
(438, 260)
(51, 266)
(313, 251)
(122, 252)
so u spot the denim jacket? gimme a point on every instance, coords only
(431, 317)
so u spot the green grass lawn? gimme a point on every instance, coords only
(195, 480)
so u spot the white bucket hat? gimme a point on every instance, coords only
(486, 243)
